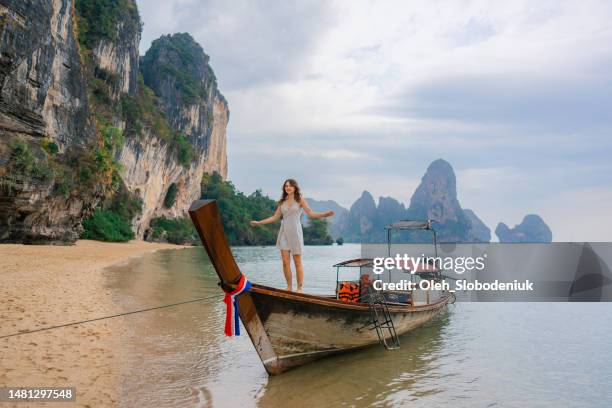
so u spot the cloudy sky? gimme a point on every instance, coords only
(354, 95)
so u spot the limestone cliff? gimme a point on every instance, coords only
(435, 198)
(149, 169)
(478, 231)
(360, 222)
(43, 92)
(200, 117)
(172, 136)
(43, 124)
(367, 221)
(337, 223)
(178, 71)
(389, 210)
(531, 229)
(81, 128)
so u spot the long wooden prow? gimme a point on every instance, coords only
(207, 221)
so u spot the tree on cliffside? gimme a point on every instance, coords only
(237, 210)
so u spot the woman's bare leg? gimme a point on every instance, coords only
(299, 271)
(287, 268)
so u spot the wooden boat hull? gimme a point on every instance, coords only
(302, 328)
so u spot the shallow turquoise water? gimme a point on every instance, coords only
(477, 354)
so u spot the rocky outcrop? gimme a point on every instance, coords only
(435, 198)
(116, 58)
(177, 70)
(79, 124)
(389, 210)
(42, 103)
(149, 169)
(367, 221)
(150, 163)
(478, 231)
(43, 92)
(531, 229)
(361, 218)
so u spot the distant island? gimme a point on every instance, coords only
(435, 198)
(531, 229)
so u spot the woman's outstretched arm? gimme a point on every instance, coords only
(314, 214)
(269, 220)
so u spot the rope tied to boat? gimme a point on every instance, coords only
(232, 321)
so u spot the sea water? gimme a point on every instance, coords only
(474, 355)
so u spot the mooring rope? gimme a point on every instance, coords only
(20, 333)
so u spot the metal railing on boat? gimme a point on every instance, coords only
(382, 321)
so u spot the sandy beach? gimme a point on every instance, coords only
(51, 285)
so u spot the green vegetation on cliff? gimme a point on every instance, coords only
(101, 19)
(111, 221)
(37, 163)
(140, 110)
(177, 231)
(238, 209)
(179, 57)
(106, 168)
(98, 19)
(23, 167)
(24, 163)
(106, 225)
(171, 195)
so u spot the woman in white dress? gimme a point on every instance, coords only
(290, 237)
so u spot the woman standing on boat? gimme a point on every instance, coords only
(290, 237)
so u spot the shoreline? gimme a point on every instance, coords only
(47, 285)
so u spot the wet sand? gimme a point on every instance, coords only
(50, 285)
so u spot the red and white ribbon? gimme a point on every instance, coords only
(232, 324)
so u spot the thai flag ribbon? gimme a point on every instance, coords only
(232, 321)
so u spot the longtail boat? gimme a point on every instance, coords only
(289, 329)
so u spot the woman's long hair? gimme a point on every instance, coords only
(296, 194)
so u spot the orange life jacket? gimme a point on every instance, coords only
(364, 282)
(348, 291)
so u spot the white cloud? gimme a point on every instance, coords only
(579, 215)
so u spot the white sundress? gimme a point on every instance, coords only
(290, 235)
